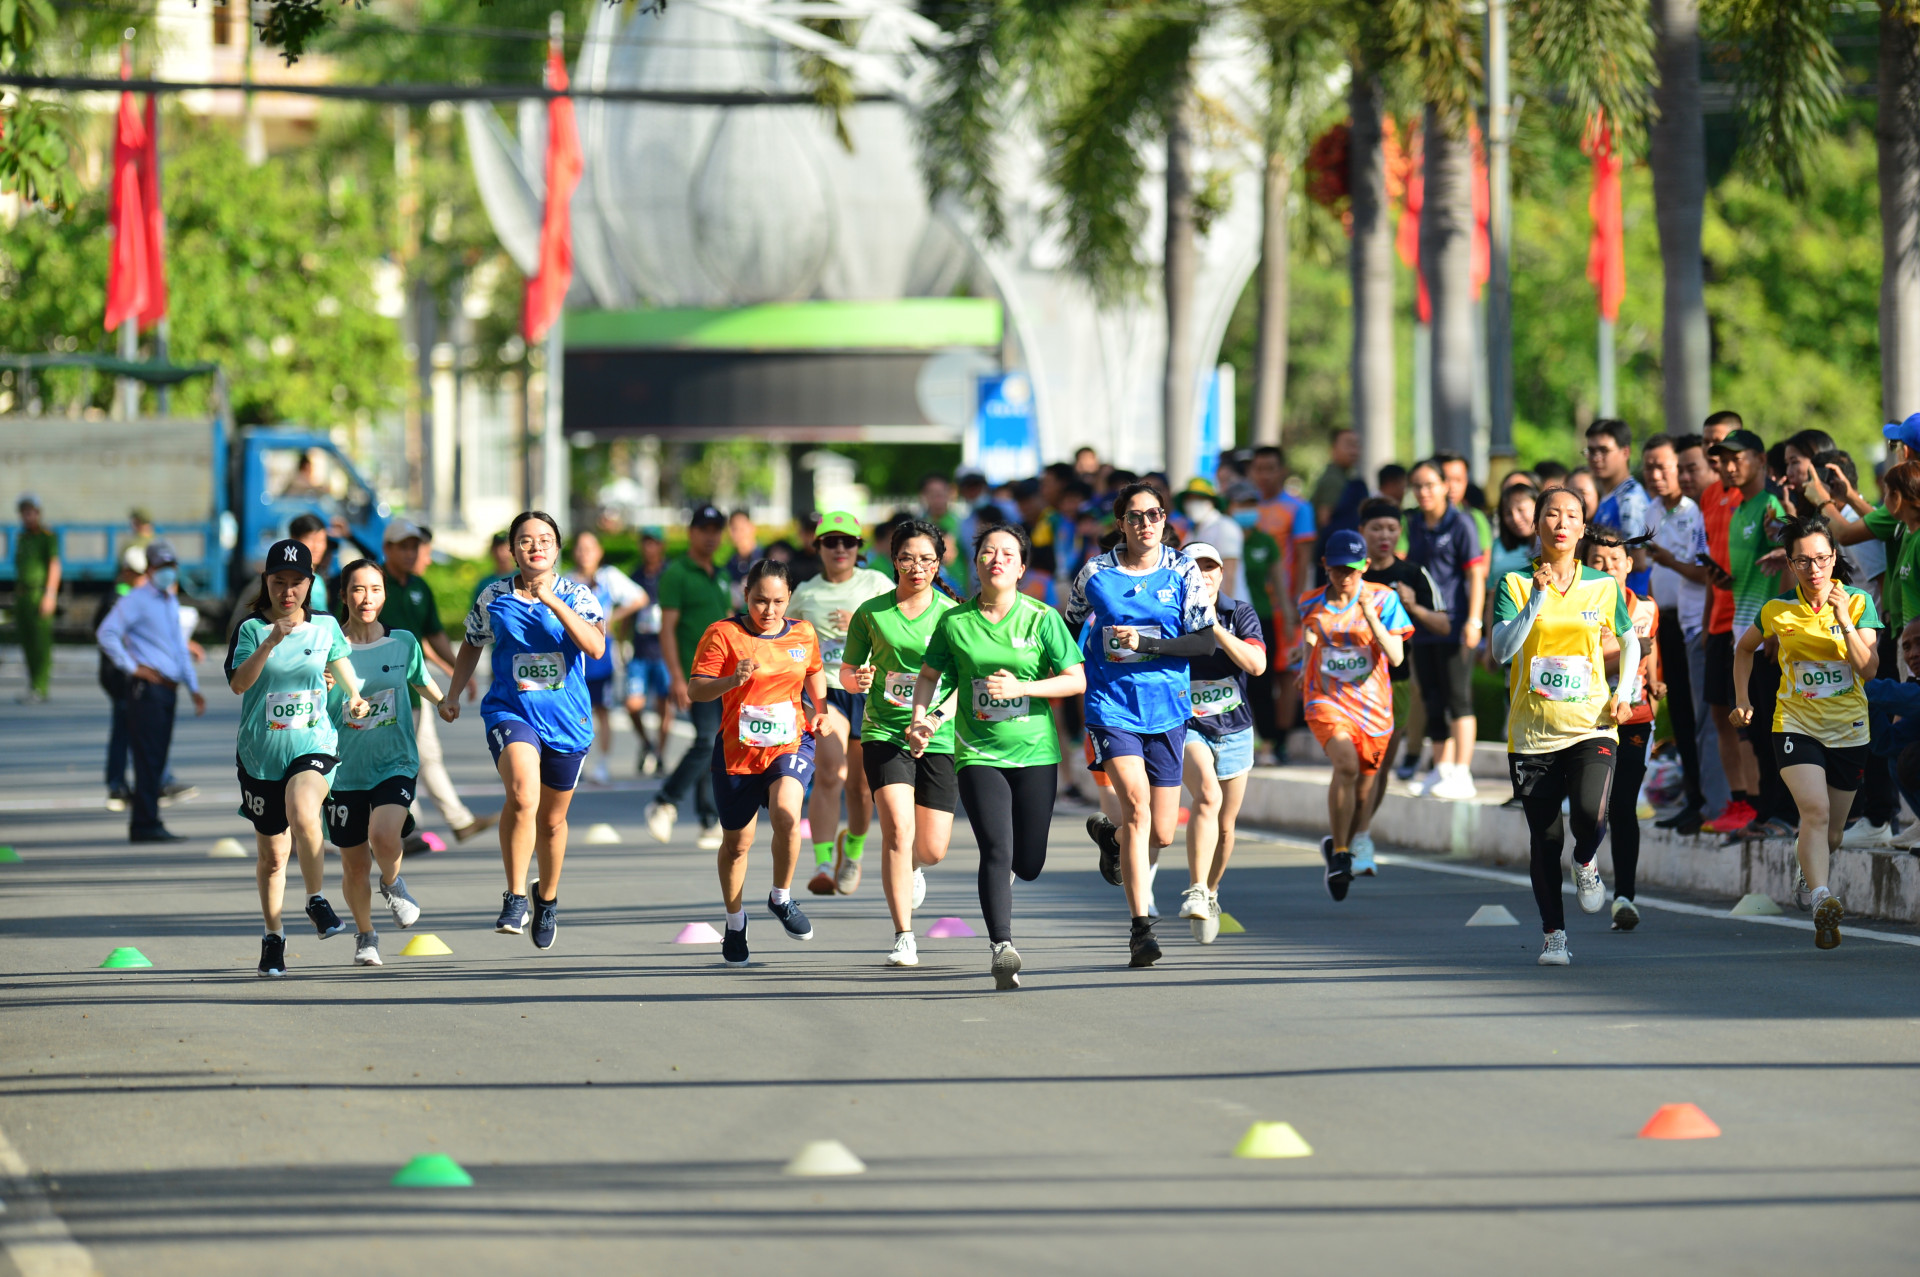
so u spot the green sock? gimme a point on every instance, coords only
(856, 843)
(823, 853)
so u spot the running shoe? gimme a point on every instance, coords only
(1106, 836)
(919, 887)
(1735, 816)
(823, 882)
(178, 792)
(1339, 868)
(1456, 785)
(1425, 783)
(513, 914)
(847, 881)
(546, 921)
(477, 826)
(1685, 822)
(273, 955)
(1826, 922)
(1362, 851)
(733, 945)
(117, 799)
(366, 949)
(1142, 949)
(905, 953)
(1864, 833)
(1555, 952)
(1625, 916)
(1193, 901)
(415, 845)
(599, 775)
(1006, 965)
(798, 928)
(1802, 891)
(324, 919)
(709, 839)
(1206, 930)
(1587, 885)
(406, 910)
(660, 817)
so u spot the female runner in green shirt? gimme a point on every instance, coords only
(1005, 654)
(913, 793)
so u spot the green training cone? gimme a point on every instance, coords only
(1272, 1139)
(125, 958)
(1229, 925)
(432, 1170)
(8, 856)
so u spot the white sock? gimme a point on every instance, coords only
(781, 895)
(279, 935)
(907, 934)
(1820, 893)
(737, 921)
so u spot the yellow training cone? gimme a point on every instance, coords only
(1272, 1139)
(602, 835)
(825, 1157)
(1230, 925)
(425, 946)
(1756, 905)
(227, 849)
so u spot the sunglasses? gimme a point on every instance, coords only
(1142, 518)
(839, 543)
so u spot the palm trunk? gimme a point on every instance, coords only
(1270, 351)
(1370, 263)
(1446, 259)
(1898, 133)
(1181, 267)
(1677, 154)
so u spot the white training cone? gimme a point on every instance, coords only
(227, 849)
(602, 835)
(1492, 916)
(1756, 905)
(826, 1157)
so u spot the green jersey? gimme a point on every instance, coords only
(1901, 589)
(1258, 556)
(410, 606)
(1747, 541)
(1030, 642)
(815, 601)
(381, 745)
(896, 646)
(700, 596)
(284, 714)
(33, 556)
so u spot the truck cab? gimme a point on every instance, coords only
(281, 472)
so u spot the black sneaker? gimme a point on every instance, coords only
(1687, 818)
(546, 921)
(1106, 836)
(1339, 868)
(117, 799)
(1142, 949)
(513, 914)
(273, 955)
(733, 946)
(798, 928)
(324, 919)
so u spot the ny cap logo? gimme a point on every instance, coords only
(292, 555)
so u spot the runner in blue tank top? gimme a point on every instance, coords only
(539, 722)
(1138, 704)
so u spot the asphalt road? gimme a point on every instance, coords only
(626, 1105)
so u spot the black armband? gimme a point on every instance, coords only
(1198, 643)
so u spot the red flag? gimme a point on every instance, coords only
(548, 287)
(127, 265)
(155, 309)
(1606, 254)
(1407, 236)
(1482, 214)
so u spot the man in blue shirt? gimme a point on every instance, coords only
(1624, 504)
(143, 639)
(1442, 540)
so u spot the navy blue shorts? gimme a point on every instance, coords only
(600, 692)
(1161, 751)
(558, 771)
(852, 707)
(740, 798)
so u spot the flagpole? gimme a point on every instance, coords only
(1499, 236)
(555, 472)
(1609, 398)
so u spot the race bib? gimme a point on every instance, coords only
(1345, 664)
(380, 711)
(1817, 680)
(898, 689)
(1562, 678)
(539, 671)
(830, 650)
(1122, 655)
(989, 710)
(288, 711)
(765, 726)
(1213, 697)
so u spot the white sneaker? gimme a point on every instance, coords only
(1207, 929)
(1361, 848)
(366, 950)
(709, 839)
(660, 818)
(1424, 782)
(1005, 965)
(1865, 833)
(919, 887)
(1456, 785)
(599, 776)
(1588, 887)
(1194, 902)
(1802, 892)
(1555, 952)
(905, 952)
(406, 910)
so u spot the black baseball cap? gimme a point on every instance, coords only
(708, 514)
(161, 555)
(1739, 441)
(288, 556)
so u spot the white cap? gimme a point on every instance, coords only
(27, 499)
(1203, 550)
(399, 530)
(134, 559)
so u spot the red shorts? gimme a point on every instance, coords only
(1372, 749)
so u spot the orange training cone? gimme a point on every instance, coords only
(1679, 1122)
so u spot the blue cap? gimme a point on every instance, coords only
(1346, 549)
(1905, 432)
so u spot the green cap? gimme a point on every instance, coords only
(839, 523)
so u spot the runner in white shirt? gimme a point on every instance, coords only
(1675, 471)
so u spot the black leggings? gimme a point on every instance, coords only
(1010, 809)
(1581, 773)
(1623, 809)
(1678, 676)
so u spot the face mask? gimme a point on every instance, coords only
(1197, 511)
(1247, 518)
(164, 578)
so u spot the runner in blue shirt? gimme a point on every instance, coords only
(1138, 704)
(539, 722)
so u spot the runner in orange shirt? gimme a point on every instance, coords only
(757, 664)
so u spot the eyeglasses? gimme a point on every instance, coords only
(1807, 563)
(1145, 518)
(916, 560)
(838, 543)
(537, 543)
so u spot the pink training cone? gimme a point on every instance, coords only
(697, 933)
(950, 929)
(434, 842)
(1679, 1122)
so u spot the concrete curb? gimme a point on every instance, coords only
(1874, 883)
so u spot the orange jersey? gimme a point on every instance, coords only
(1645, 614)
(762, 718)
(1343, 676)
(1717, 505)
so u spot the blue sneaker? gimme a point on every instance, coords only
(798, 928)
(513, 914)
(733, 946)
(546, 921)
(1362, 851)
(324, 919)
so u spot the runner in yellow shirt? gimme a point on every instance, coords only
(1550, 628)
(1826, 631)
